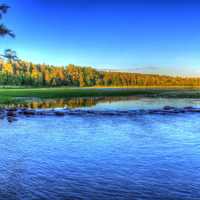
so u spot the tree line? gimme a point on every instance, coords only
(21, 73)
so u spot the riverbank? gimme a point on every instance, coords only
(12, 95)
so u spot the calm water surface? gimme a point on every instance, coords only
(142, 157)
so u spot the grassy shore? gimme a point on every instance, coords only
(11, 95)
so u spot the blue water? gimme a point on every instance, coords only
(142, 157)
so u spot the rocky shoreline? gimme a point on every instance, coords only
(13, 113)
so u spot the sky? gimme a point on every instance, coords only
(148, 36)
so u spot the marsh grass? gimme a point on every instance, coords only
(11, 95)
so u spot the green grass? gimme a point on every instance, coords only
(11, 95)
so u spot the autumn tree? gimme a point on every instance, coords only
(26, 73)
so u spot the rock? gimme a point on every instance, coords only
(41, 113)
(168, 108)
(12, 109)
(11, 113)
(29, 112)
(59, 113)
(188, 108)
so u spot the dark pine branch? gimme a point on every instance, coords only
(3, 9)
(5, 31)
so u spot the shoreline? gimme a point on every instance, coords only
(17, 94)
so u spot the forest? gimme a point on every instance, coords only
(21, 73)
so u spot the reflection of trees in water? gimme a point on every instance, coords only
(60, 103)
(69, 103)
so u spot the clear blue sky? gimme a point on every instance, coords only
(142, 35)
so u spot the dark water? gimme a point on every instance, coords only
(143, 157)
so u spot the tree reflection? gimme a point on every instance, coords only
(70, 103)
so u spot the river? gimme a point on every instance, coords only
(102, 157)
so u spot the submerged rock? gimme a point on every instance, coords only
(11, 114)
(59, 113)
(188, 107)
(29, 112)
(12, 109)
(168, 107)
